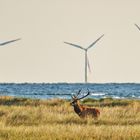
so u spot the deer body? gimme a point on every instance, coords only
(84, 111)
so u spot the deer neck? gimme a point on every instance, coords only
(77, 108)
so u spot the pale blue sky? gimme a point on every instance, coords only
(43, 25)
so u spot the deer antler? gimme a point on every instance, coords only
(78, 93)
(85, 95)
(75, 96)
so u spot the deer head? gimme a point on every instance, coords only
(75, 99)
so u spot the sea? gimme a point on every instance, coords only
(65, 90)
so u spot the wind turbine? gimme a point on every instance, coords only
(7, 42)
(86, 50)
(137, 26)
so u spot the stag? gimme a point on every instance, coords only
(84, 111)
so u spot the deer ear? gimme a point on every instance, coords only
(74, 97)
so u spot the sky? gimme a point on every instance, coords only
(44, 25)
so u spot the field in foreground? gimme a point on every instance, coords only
(27, 119)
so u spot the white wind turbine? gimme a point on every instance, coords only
(137, 26)
(85, 49)
(7, 42)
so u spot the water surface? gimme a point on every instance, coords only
(65, 90)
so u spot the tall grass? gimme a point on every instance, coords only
(27, 119)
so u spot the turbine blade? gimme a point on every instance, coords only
(137, 26)
(89, 68)
(95, 41)
(7, 42)
(74, 45)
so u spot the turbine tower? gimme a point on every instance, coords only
(86, 50)
(137, 26)
(7, 42)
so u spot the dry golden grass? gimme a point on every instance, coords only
(27, 119)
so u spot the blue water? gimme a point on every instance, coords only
(65, 90)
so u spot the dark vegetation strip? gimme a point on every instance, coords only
(8, 101)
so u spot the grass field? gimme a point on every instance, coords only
(28, 119)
